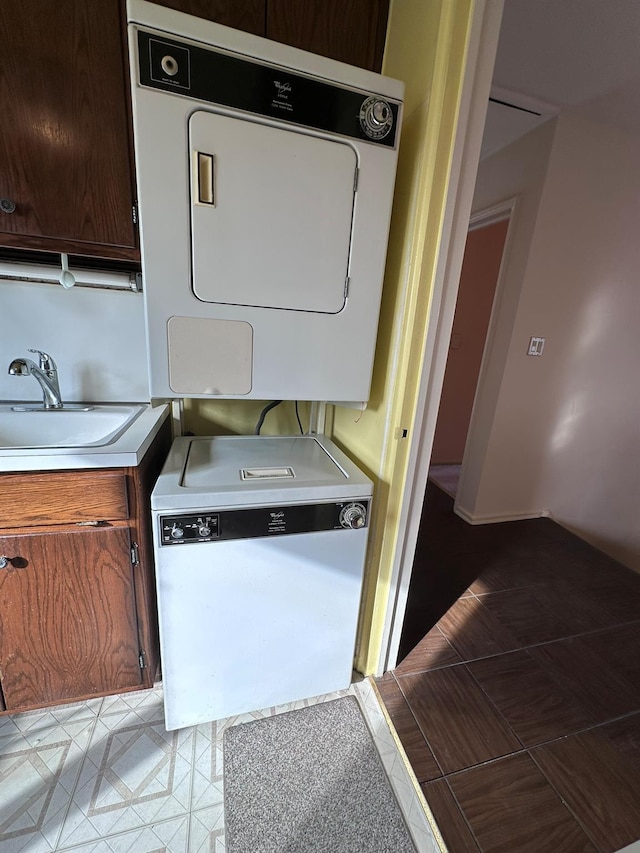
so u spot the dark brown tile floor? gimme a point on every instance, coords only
(520, 708)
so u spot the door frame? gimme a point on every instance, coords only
(481, 219)
(500, 212)
(481, 52)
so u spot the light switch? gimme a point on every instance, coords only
(536, 346)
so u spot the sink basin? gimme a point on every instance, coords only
(99, 426)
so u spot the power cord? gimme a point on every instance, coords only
(263, 415)
(266, 411)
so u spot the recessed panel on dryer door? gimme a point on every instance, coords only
(271, 215)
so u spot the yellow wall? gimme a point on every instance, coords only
(426, 47)
(239, 417)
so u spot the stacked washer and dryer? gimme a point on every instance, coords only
(265, 183)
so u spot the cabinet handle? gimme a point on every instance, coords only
(16, 562)
(7, 205)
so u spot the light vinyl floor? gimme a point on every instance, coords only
(104, 776)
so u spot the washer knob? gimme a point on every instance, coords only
(177, 532)
(204, 530)
(353, 516)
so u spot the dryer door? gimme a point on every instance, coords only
(271, 215)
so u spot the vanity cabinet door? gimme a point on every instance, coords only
(66, 174)
(68, 626)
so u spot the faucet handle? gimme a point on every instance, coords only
(46, 361)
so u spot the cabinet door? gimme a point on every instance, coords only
(247, 15)
(68, 624)
(65, 144)
(351, 31)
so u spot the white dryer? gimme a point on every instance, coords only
(265, 183)
(260, 547)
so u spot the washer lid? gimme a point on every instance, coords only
(244, 470)
(242, 462)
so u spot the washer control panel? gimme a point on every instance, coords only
(211, 526)
(188, 528)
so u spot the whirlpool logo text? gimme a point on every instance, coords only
(283, 88)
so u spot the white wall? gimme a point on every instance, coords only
(565, 434)
(591, 447)
(96, 337)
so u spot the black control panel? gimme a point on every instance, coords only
(177, 529)
(220, 78)
(211, 526)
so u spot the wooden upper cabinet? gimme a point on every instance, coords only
(247, 15)
(65, 139)
(351, 31)
(66, 153)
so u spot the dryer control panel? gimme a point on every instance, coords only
(217, 77)
(210, 526)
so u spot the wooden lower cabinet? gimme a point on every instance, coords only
(78, 613)
(68, 610)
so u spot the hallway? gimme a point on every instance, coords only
(520, 709)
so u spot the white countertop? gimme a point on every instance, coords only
(126, 451)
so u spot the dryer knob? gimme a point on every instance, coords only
(204, 530)
(353, 516)
(170, 65)
(380, 114)
(376, 117)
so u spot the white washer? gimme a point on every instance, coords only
(260, 548)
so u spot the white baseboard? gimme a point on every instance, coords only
(472, 518)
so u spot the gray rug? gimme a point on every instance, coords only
(309, 781)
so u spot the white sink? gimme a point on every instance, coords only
(51, 428)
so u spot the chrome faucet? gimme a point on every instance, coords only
(46, 374)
